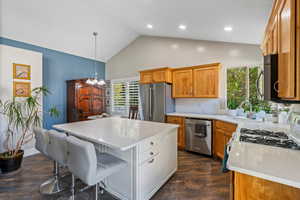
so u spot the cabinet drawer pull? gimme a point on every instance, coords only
(151, 161)
(152, 143)
(151, 153)
(275, 86)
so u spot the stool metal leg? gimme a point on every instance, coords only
(73, 188)
(96, 191)
(53, 185)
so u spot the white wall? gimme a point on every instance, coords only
(8, 56)
(148, 52)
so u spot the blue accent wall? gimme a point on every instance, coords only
(57, 68)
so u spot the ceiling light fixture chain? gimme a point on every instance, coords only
(95, 80)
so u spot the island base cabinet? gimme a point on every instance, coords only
(252, 188)
(150, 164)
(154, 172)
(149, 176)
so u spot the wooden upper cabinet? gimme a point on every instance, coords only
(182, 83)
(197, 81)
(160, 75)
(274, 36)
(286, 49)
(282, 37)
(206, 82)
(146, 77)
(164, 75)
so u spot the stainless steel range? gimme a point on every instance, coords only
(277, 139)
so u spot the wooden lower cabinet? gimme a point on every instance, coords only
(218, 143)
(252, 188)
(181, 129)
(222, 132)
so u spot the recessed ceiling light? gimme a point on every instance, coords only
(228, 28)
(150, 26)
(200, 49)
(182, 27)
(174, 46)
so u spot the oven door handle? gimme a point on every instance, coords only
(200, 135)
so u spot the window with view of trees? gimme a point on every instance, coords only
(125, 93)
(238, 89)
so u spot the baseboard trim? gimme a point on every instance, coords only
(30, 152)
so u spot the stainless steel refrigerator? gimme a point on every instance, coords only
(156, 101)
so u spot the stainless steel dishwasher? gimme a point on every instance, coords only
(198, 136)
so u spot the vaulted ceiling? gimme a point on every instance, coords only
(67, 25)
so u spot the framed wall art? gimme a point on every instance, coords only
(21, 71)
(22, 89)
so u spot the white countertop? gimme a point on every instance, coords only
(226, 118)
(271, 163)
(117, 133)
(231, 119)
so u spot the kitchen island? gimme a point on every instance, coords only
(150, 148)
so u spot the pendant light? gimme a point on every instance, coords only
(95, 80)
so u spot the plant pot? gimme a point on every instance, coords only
(232, 112)
(12, 163)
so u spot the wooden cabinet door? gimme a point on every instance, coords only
(83, 102)
(181, 130)
(269, 45)
(97, 100)
(182, 83)
(286, 49)
(253, 188)
(219, 143)
(206, 82)
(162, 76)
(159, 76)
(146, 77)
(274, 37)
(248, 187)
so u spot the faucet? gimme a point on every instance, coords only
(246, 102)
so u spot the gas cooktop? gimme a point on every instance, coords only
(277, 139)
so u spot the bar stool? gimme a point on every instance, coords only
(133, 112)
(41, 143)
(57, 151)
(89, 167)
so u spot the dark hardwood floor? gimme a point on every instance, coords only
(197, 178)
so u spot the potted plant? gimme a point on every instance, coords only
(232, 105)
(21, 116)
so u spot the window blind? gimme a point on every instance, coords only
(125, 93)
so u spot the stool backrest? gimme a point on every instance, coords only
(133, 112)
(82, 159)
(41, 139)
(57, 147)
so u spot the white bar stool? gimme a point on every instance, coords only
(89, 167)
(57, 151)
(41, 142)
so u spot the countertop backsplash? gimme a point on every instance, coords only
(199, 106)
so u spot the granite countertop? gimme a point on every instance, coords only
(116, 132)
